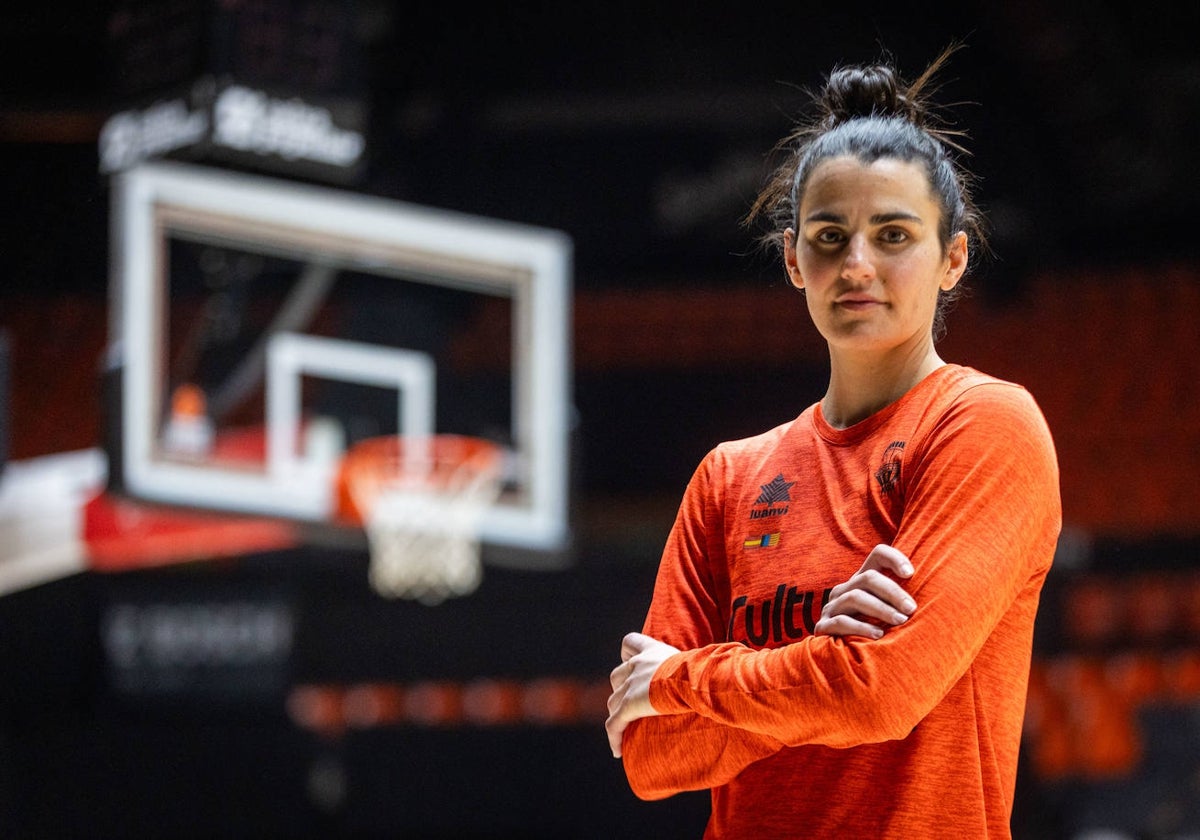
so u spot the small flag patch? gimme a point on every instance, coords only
(765, 541)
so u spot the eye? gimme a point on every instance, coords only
(829, 236)
(893, 235)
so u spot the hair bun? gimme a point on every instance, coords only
(863, 91)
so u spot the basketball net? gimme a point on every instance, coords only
(421, 502)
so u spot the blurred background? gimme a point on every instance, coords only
(640, 131)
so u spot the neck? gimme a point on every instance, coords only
(862, 384)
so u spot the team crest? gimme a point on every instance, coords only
(888, 474)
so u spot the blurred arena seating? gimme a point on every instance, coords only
(1112, 358)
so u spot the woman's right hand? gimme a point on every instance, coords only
(871, 600)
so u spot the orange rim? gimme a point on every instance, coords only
(367, 457)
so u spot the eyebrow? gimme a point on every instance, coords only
(877, 219)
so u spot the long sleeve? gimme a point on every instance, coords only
(975, 506)
(668, 754)
(982, 504)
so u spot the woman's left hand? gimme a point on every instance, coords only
(871, 600)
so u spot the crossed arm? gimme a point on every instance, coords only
(981, 518)
(865, 605)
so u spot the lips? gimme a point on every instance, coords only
(857, 302)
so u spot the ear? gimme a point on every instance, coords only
(956, 262)
(789, 259)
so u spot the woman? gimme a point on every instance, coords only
(763, 671)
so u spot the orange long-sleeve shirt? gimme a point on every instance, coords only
(913, 735)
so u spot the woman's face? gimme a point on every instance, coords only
(867, 254)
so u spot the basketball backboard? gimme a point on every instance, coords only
(264, 326)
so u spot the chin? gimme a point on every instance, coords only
(859, 336)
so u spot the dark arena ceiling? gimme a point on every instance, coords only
(639, 129)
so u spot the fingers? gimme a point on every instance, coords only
(618, 711)
(874, 594)
(872, 599)
(871, 579)
(886, 558)
(620, 675)
(861, 613)
(615, 724)
(633, 644)
(846, 625)
(615, 727)
(630, 699)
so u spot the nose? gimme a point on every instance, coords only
(857, 263)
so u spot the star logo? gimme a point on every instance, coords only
(775, 491)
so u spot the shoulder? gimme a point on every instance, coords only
(727, 462)
(982, 393)
(993, 411)
(755, 447)
(959, 379)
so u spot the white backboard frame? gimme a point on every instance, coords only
(532, 265)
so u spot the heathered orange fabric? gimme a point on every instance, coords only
(915, 735)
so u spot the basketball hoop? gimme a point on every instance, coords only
(421, 501)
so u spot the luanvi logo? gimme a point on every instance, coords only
(772, 495)
(888, 474)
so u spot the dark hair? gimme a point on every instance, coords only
(869, 112)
